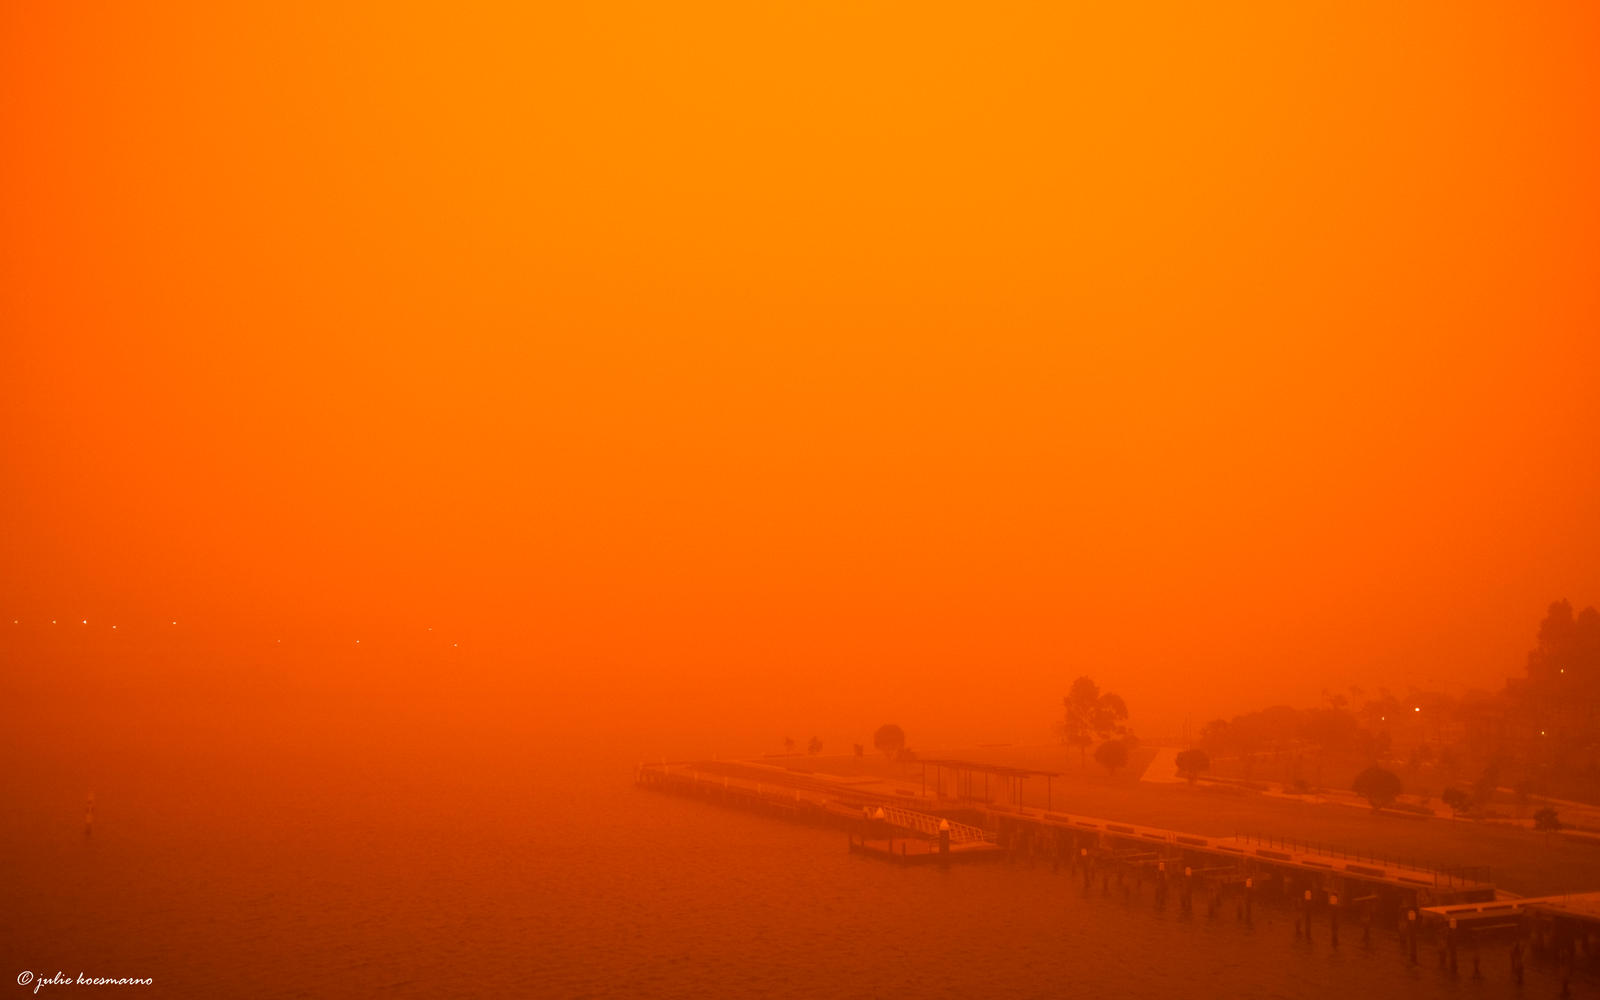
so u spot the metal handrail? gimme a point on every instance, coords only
(960, 833)
(1448, 874)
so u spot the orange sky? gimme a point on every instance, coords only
(864, 358)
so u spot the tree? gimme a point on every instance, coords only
(1546, 821)
(814, 747)
(1215, 734)
(1458, 800)
(1565, 665)
(1449, 764)
(1192, 762)
(889, 740)
(859, 750)
(788, 746)
(1111, 755)
(1377, 786)
(1484, 788)
(1090, 714)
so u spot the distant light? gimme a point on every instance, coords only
(453, 645)
(1417, 709)
(113, 626)
(1541, 732)
(358, 642)
(52, 621)
(86, 621)
(174, 623)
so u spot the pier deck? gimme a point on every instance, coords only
(1304, 857)
(846, 801)
(914, 850)
(1583, 907)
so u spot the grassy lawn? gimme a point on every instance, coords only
(1520, 860)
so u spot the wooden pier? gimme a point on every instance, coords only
(1323, 888)
(1212, 864)
(918, 851)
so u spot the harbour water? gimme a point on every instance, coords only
(479, 864)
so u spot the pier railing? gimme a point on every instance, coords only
(1443, 875)
(907, 819)
(786, 787)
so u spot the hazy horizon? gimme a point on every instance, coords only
(413, 416)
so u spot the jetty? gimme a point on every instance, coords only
(899, 821)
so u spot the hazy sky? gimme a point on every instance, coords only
(809, 358)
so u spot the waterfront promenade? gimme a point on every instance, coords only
(908, 809)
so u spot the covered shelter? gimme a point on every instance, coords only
(995, 777)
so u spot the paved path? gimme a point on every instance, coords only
(1163, 767)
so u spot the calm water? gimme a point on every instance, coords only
(484, 867)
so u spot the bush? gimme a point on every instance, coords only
(1378, 786)
(1192, 762)
(1111, 755)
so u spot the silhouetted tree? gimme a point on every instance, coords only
(889, 740)
(788, 746)
(1090, 714)
(1567, 657)
(814, 747)
(1546, 821)
(1111, 755)
(1458, 800)
(1377, 786)
(1192, 762)
(1449, 764)
(1274, 729)
(1488, 781)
